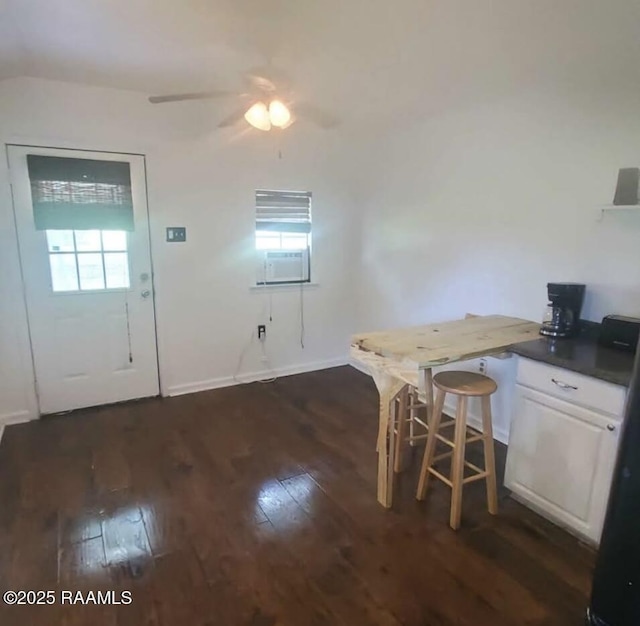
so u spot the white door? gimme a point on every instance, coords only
(88, 284)
(561, 458)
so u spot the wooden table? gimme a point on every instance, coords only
(395, 358)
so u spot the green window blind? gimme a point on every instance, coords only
(80, 194)
(283, 211)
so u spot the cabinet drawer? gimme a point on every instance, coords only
(572, 387)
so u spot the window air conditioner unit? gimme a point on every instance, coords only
(284, 266)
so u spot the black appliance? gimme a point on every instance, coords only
(620, 332)
(563, 311)
(615, 597)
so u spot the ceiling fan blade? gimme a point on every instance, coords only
(317, 115)
(201, 95)
(261, 83)
(268, 79)
(233, 119)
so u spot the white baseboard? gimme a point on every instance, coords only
(251, 377)
(17, 417)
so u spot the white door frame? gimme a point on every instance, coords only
(64, 146)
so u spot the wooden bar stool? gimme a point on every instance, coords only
(408, 421)
(463, 385)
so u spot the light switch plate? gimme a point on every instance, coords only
(176, 234)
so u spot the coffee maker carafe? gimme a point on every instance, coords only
(563, 311)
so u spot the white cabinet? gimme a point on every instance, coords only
(562, 453)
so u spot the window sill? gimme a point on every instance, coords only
(283, 287)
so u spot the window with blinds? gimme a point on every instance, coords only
(283, 220)
(283, 236)
(80, 194)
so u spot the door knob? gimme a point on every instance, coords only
(146, 293)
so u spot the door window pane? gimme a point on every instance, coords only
(88, 240)
(60, 241)
(90, 271)
(99, 258)
(116, 269)
(115, 240)
(64, 276)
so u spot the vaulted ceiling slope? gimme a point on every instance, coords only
(379, 59)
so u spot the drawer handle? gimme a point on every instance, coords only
(610, 427)
(562, 385)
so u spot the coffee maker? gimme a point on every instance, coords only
(563, 311)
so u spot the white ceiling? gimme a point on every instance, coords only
(379, 59)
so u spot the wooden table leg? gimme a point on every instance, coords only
(403, 447)
(388, 388)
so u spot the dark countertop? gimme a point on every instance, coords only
(582, 355)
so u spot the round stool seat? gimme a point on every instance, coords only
(463, 383)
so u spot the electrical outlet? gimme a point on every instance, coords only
(262, 332)
(482, 366)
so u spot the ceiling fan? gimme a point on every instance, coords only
(266, 105)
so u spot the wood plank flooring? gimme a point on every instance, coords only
(255, 505)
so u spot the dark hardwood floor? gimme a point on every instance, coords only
(256, 505)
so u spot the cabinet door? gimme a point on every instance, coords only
(561, 458)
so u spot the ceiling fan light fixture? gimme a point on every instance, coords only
(291, 121)
(279, 114)
(258, 116)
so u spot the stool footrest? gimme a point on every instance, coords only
(452, 444)
(416, 437)
(443, 478)
(419, 421)
(445, 440)
(408, 420)
(475, 468)
(479, 476)
(479, 472)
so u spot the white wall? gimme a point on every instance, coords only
(478, 209)
(203, 179)
(491, 190)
